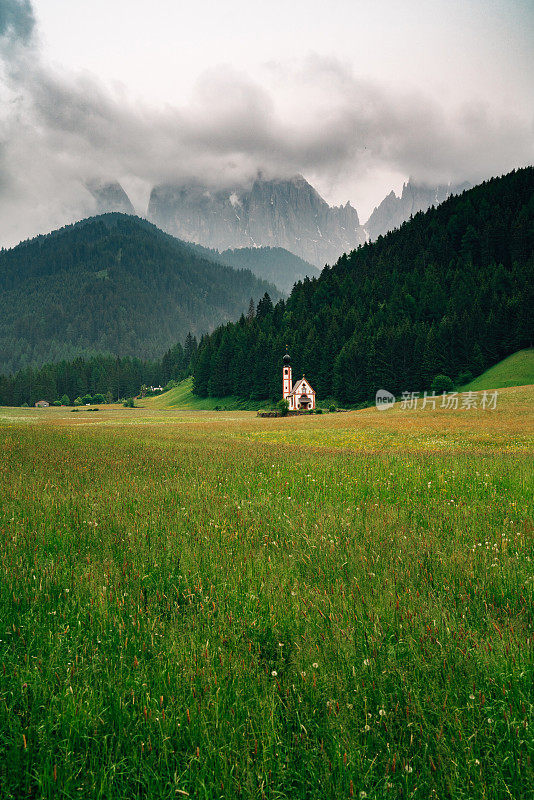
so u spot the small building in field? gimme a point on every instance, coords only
(42, 404)
(301, 396)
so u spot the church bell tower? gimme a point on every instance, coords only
(286, 377)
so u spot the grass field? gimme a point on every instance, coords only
(516, 370)
(213, 605)
(182, 397)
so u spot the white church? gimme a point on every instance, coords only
(301, 396)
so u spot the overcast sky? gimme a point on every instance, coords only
(357, 96)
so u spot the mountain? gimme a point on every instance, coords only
(273, 264)
(450, 292)
(286, 213)
(110, 196)
(115, 284)
(393, 210)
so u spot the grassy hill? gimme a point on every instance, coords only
(516, 370)
(182, 397)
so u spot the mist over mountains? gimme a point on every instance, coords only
(273, 213)
(393, 210)
(110, 197)
(287, 213)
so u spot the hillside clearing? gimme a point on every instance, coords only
(516, 370)
(182, 396)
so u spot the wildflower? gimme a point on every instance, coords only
(477, 762)
(471, 696)
(408, 768)
(274, 673)
(366, 662)
(382, 713)
(363, 795)
(367, 728)
(315, 665)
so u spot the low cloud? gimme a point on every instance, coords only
(58, 131)
(17, 21)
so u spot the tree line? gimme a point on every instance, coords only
(111, 377)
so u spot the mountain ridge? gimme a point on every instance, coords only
(273, 264)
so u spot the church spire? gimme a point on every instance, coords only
(287, 384)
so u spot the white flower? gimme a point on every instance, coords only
(408, 768)
(366, 662)
(363, 795)
(274, 673)
(315, 665)
(367, 728)
(471, 696)
(382, 713)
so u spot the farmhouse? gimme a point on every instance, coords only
(301, 396)
(42, 404)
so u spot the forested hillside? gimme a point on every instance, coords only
(113, 284)
(450, 291)
(273, 264)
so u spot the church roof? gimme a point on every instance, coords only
(298, 384)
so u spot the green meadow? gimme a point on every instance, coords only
(182, 396)
(516, 370)
(207, 604)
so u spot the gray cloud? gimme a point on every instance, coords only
(58, 131)
(17, 21)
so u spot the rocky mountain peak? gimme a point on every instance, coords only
(415, 197)
(273, 212)
(109, 196)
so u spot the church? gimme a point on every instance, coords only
(301, 396)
